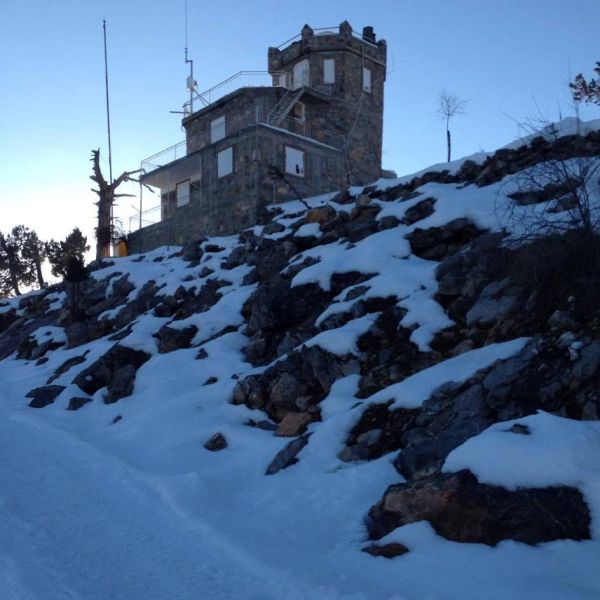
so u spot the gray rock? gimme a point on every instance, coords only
(588, 364)
(461, 509)
(171, 339)
(121, 384)
(216, 442)
(77, 402)
(287, 457)
(44, 395)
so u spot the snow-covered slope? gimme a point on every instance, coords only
(121, 499)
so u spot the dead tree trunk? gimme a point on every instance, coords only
(106, 199)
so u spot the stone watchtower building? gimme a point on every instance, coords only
(310, 125)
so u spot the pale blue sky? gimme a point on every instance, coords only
(510, 59)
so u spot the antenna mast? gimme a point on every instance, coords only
(191, 83)
(107, 104)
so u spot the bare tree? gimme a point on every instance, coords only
(106, 199)
(450, 106)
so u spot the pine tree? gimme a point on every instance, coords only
(587, 91)
(15, 267)
(61, 254)
(34, 252)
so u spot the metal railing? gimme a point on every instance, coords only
(325, 31)
(150, 216)
(239, 80)
(164, 157)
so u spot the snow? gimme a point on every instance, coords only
(92, 509)
(309, 230)
(49, 334)
(342, 340)
(557, 451)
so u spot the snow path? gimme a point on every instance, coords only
(117, 525)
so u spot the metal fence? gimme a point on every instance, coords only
(239, 80)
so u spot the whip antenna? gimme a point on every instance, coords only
(107, 103)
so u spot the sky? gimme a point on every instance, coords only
(511, 60)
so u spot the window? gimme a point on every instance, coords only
(367, 80)
(183, 192)
(329, 70)
(294, 161)
(300, 74)
(225, 162)
(217, 129)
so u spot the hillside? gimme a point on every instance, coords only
(387, 395)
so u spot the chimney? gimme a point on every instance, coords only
(368, 34)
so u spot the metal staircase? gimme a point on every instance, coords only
(283, 106)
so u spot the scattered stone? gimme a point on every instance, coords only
(77, 402)
(64, 367)
(171, 339)
(116, 419)
(44, 395)
(216, 442)
(519, 428)
(419, 211)
(320, 214)
(293, 424)
(287, 457)
(387, 550)
(211, 380)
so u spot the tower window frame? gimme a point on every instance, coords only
(367, 79)
(217, 129)
(182, 192)
(329, 70)
(294, 161)
(225, 165)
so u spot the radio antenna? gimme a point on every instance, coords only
(107, 104)
(191, 83)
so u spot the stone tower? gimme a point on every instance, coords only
(342, 76)
(309, 125)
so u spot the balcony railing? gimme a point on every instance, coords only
(239, 80)
(164, 157)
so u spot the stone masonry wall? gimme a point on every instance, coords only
(226, 205)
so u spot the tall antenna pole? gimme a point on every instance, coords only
(107, 104)
(191, 81)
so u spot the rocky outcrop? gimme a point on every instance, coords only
(462, 509)
(295, 384)
(437, 243)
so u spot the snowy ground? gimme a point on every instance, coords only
(91, 509)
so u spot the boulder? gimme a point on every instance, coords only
(462, 509)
